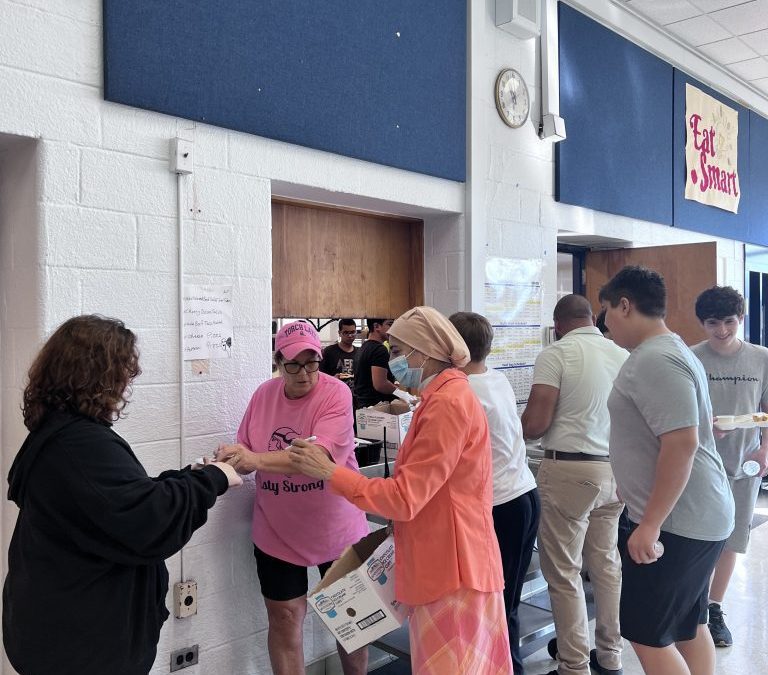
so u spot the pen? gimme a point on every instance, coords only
(311, 439)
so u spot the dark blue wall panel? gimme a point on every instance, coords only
(691, 215)
(758, 174)
(616, 99)
(330, 75)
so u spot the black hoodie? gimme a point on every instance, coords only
(86, 585)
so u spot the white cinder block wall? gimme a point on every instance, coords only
(88, 224)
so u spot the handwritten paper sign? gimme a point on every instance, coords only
(207, 322)
(711, 146)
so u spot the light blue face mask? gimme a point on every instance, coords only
(408, 377)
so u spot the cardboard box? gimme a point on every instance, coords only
(372, 421)
(356, 598)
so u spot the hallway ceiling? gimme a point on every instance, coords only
(732, 33)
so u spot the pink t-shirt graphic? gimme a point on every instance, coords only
(296, 518)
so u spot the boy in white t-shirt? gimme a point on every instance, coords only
(515, 497)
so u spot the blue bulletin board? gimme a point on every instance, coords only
(379, 81)
(624, 110)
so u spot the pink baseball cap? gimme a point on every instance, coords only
(295, 337)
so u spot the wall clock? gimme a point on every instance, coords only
(512, 100)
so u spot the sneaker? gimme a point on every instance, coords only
(720, 633)
(598, 668)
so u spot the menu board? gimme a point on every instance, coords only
(513, 301)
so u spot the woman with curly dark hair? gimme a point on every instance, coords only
(86, 584)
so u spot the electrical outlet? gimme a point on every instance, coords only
(182, 156)
(183, 658)
(185, 599)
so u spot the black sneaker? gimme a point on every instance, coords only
(720, 633)
(598, 668)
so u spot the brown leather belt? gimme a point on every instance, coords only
(574, 456)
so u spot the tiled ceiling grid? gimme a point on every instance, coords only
(731, 33)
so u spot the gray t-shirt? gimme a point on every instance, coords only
(662, 387)
(738, 384)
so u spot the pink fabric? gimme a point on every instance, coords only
(463, 632)
(296, 518)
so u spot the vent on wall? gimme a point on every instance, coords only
(521, 18)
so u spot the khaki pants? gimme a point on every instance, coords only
(579, 523)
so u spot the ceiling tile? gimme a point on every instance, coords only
(714, 5)
(757, 41)
(752, 69)
(728, 51)
(662, 12)
(761, 84)
(697, 31)
(745, 18)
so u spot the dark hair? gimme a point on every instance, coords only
(719, 302)
(600, 323)
(476, 331)
(372, 322)
(572, 307)
(643, 287)
(84, 368)
(347, 322)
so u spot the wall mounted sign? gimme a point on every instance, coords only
(711, 151)
(207, 322)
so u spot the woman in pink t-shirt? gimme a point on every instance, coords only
(297, 522)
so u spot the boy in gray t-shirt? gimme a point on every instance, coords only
(669, 474)
(737, 375)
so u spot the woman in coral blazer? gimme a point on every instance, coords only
(448, 566)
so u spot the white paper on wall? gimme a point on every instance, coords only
(513, 300)
(207, 322)
(711, 151)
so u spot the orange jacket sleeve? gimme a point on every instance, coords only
(430, 453)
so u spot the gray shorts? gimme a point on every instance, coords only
(745, 491)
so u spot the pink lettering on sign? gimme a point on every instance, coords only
(710, 176)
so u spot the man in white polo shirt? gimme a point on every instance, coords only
(580, 509)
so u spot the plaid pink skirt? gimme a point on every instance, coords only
(464, 632)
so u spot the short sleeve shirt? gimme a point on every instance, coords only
(582, 365)
(662, 387)
(738, 385)
(297, 518)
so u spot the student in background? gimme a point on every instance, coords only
(373, 380)
(737, 375)
(516, 504)
(339, 359)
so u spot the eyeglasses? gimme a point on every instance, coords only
(349, 333)
(293, 367)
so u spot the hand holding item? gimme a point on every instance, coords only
(229, 471)
(311, 460)
(237, 455)
(642, 545)
(403, 395)
(761, 457)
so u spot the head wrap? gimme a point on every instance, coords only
(430, 333)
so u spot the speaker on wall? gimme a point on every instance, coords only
(521, 18)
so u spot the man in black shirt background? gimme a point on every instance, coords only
(338, 359)
(373, 381)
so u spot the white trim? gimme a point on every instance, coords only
(630, 24)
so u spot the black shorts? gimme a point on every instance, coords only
(281, 580)
(666, 601)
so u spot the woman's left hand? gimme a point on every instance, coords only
(311, 460)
